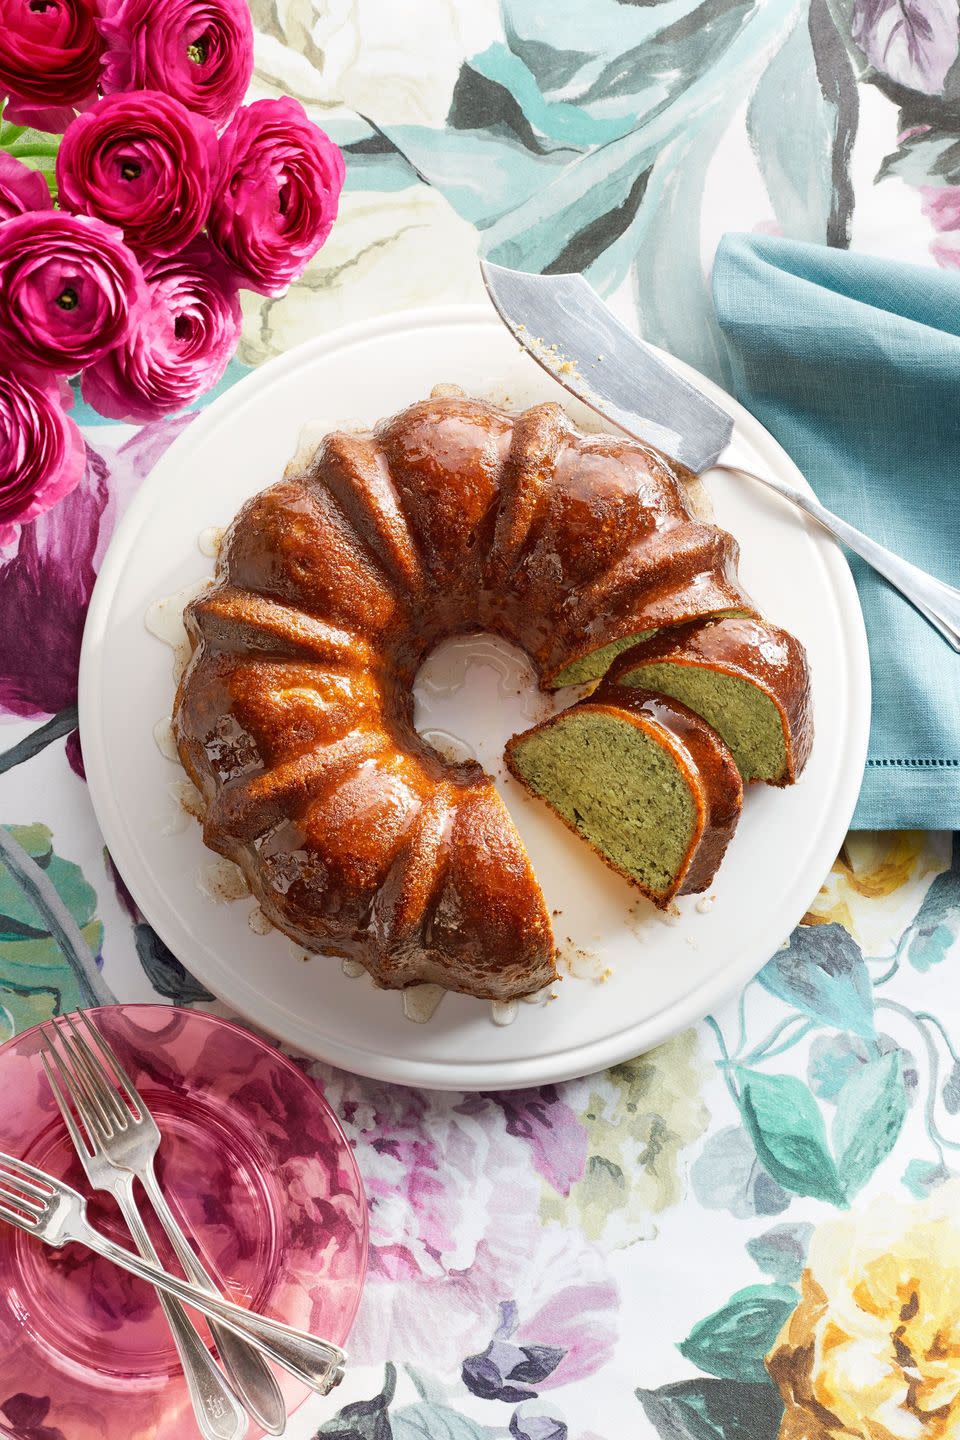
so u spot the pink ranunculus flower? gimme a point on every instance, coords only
(21, 188)
(181, 345)
(41, 450)
(49, 60)
(143, 162)
(69, 289)
(277, 195)
(200, 51)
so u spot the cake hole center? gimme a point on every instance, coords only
(471, 694)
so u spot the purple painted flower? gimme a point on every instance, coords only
(41, 450)
(528, 1424)
(179, 348)
(277, 194)
(69, 288)
(557, 1139)
(142, 162)
(45, 586)
(455, 1231)
(913, 42)
(505, 1370)
(49, 60)
(200, 51)
(21, 188)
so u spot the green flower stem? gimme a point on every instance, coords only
(59, 921)
(725, 1064)
(932, 1020)
(38, 740)
(766, 1049)
(940, 1140)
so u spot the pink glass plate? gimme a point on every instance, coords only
(257, 1167)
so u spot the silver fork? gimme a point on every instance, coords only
(54, 1212)
(122, 1139)
(218, 1415)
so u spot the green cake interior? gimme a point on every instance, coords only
(740, 712)
(620, 789)
(595, 665)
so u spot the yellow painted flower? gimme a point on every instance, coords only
(873, 1348)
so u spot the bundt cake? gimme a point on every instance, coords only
(749, 679)
(294, 716)
(647, 783)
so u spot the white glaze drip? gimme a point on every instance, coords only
(450, 746)
(187, 804)
(223, 881)
(705, 904)
(258, 922)
(420, 1002)
(210, 540)
(504, 1012)
(164, 619)
(163, 734)
(352, 969)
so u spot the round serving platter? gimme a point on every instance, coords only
(631, 977)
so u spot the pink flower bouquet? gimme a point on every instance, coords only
(168, 200)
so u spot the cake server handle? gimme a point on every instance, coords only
(937, 602)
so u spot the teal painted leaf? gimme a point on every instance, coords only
(427, 1421)
(927, 157)
(922, 1176)
(937, 923)
(787, 1129)
(951, 1089)
(728, 1176)
(732, 1342)
(164, 971)
(37, 980)
(805, 164)
(831, 1061)
(713, 1410)
(823, 974)
(782, 1251)
(870, 1113)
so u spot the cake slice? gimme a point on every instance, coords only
(651, 787)
(747, 678)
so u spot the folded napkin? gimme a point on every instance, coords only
(853, 363)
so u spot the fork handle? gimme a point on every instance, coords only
(218, 1415)
(249, 1374)
(937, 602)
(318, 1363)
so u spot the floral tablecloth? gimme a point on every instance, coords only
(754, 1229)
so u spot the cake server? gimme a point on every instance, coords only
(116, 1141)
(564, 325)
(55, 1213)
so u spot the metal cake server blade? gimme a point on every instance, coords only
(563, 324)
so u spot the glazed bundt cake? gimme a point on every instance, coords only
(294, 716)
(747, 678)
(647, 783)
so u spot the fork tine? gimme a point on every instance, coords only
(22, 1169)
(93, 1086)
(100, 1076)
(22, 1222)
(88, 1107)
(84, 1143)
(14, 1197)
(108, 1050)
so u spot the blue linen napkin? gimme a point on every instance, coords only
(853, 363)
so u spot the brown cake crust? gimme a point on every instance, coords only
(747, 648)
(294, 717)
(702, 758)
